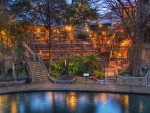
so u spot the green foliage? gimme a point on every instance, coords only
(5, 49)
(142, 74)
(73, 68)
(57, 69)
(92, 63)
(99, 75)
(78, 13)
(145, 69)
(124, 72)
(76, 65)
(18, 50)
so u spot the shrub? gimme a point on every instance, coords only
(145, 69)
(125, 72)
(56, 69)
(99, 75)
(91, 63)
(142, 74)
(73, 68)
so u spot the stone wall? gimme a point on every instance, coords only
(62, 81)
(146, 55)
(12, 83)
(131, 80)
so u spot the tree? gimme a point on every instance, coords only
(134, 17)
(41, 12)
(79, 12)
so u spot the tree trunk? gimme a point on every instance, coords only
(50, 50)
(71, 35)
(136, 53)
(135, 60)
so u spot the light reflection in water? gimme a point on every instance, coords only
(50, 97)
(141, 106)
(96, 99)
(103, 98)
(71, 101)
(14, 107)
(126, 102)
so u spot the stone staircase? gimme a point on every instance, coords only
(112, 63)
(37, 71)
(110, 80)
(110, 76)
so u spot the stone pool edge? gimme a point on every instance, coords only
(75, 87)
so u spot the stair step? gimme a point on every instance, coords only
(37, 71)
(110, 79)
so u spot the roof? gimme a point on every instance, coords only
(106, 19)
(126, 4)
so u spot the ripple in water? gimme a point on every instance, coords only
(74, 102)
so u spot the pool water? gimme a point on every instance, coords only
(74, 102)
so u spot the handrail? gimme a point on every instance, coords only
(28, 52)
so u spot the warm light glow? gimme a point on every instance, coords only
(2, 32)
(103, 98)
(108, 42)
(71, 101)
(40, 51)
(87, 30)
(100, 25)
(38, 30)
(119, 54)
(126, 100)
(141, 106)
(103, 33)
(13, 107)
(50, 97)
(68, 28)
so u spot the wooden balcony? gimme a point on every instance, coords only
(62, 48)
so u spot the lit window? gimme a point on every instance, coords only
(38, 30)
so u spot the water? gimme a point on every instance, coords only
(74, 102)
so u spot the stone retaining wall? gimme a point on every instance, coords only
(62, 81)
(12, 83)
(142, 81)
(97, 80)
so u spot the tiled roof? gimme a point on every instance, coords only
(126, 4)
(103, 20)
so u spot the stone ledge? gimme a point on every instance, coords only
(97, 80)
(62, 81)
(12, 83)
(140, 81)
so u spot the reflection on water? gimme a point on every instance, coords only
(13, 107)
(74, 102)
(71, 101)
(103, 98)
(141, 106)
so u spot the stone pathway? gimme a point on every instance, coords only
(48, 86)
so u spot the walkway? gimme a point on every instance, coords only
(48, 86)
